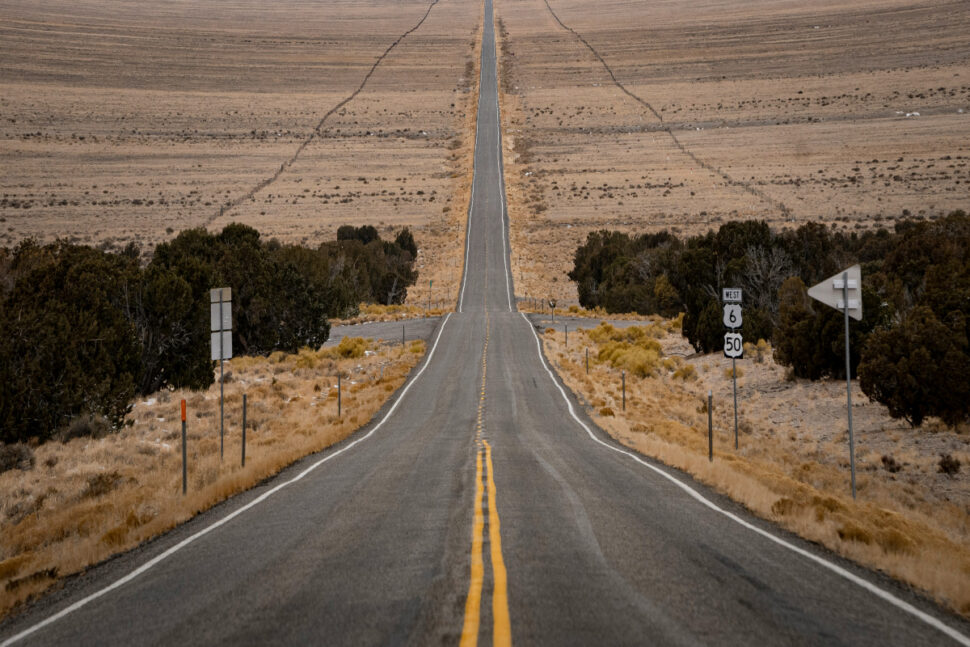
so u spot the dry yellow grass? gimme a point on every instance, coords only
(792, 466)
(86, 500)
(370, 312)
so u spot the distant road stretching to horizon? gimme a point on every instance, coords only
(481, 506)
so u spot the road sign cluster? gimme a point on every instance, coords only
(733, 343)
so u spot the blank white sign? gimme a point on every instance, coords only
(226, 345)
(214, 323)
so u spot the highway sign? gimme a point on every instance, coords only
(220, 323)
(733, 345)
(223, 350)
(731, 295)
(220, 316)
(844, 292)
(832, 291)
(732, 315)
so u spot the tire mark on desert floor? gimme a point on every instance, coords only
(315, 133)
(746, 186)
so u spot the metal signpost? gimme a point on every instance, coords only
(220, 309)
(552, 306)
(844, 292)
(733, 343)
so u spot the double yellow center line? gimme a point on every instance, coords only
(501, 628)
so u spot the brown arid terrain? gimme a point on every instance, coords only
(681, 116)
(89, 498)
(909, 520)
(131, 122)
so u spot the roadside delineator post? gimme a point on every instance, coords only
(565, 328)
(244, 432)
(587, 361)
(185, 471)
(623, 380)
(710, 426)
(338, 394)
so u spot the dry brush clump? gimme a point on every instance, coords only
(911, 516)
(87, 499)
(370, 312)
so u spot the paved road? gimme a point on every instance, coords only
(477, 507)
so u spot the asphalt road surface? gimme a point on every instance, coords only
(478, 507)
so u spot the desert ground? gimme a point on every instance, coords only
(88, 498)
(131, 122)
(911, 519)
(853, 114)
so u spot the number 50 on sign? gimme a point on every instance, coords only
(733, 345)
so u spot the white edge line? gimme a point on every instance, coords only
(501, 174)
(835, 568)
(471, 200)
(188, 540)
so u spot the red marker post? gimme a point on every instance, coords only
(185, 471)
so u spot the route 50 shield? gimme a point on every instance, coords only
(733, 346)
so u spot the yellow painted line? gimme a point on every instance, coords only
(469, 632)
(501, 628)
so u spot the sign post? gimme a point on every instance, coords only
(838, 292)
(733, 342)
(185, 468)
(220, 309)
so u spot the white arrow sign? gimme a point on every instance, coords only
(832, 290)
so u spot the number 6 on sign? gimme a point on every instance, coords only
(733, 346)
(732, 315)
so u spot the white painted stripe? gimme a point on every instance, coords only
(471, 200)
(501, 175)
(835, 568)
(229, 517)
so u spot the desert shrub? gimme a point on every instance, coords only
(761, 351)
(100, 484)
(949, 465)
(632, 349)
(851, 532)
(919, 263)
(637, 360)
(82, 330)
(84, 426)
(352, 347)
(890, 464)
(67, 346)
(687, 372)
(919, 368)
(16, 456)
(307, 358)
